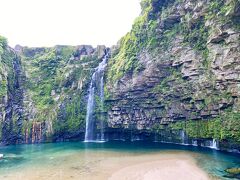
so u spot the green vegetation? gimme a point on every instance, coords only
(3, 78)
(7, 73)
(142, 35)
(145, 36)
(225, 127)
(56, 80)
(224, 12)
(3, 44)
(73, 117)
(51, 75)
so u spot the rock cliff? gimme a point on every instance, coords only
(178, 71)
(175, 77)
(44, 91)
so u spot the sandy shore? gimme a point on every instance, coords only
(107, 165)
(169, 168)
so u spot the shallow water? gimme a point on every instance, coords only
(94, 160)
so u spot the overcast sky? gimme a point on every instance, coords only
(66, 22)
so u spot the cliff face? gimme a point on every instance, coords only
(175, 78)
(56, 90)
(178, 72)
(44, 91)
(11, 94)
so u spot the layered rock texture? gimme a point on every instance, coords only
(175, 77)
(178, 72)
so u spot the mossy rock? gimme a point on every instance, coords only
(234, 171)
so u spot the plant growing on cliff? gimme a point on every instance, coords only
(225, 127)
(142, 35)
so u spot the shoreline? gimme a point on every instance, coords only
(105, 165)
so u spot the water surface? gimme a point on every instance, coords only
(88, 160)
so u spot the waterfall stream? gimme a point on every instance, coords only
(97, 83)
(214, 144)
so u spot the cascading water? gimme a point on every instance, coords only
(194, 143)
(182, 133)
(213, 144)
(90, 108)
(102, 105)
(97, 79)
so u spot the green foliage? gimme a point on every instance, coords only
(204, 129)
(42, 69)
(54, 75)
(73, 119)
(222, 11)
(217, 98)
(214, 8)
(178, 125)
(225, 127)
(3, 44)
(168, 36)
(163, 87)
(3, 87)
(142, 36)
(196, 35)
(158, 128)
(6, 68)
(66, 52)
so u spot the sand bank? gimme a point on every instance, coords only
(166, 168)
(105, 165)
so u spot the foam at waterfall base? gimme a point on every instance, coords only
(95, 141)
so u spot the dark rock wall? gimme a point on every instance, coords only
(12, 113)
(188, 78)
(46, 92)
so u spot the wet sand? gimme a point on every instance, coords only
(170, 168)
(103, 165)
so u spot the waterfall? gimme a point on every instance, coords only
(89, 117)
(102, 105)
(182, 134)
(194, 143)
(214, 144)
(96, 81)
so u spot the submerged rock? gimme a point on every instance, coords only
(233, 173)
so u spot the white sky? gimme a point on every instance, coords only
(66, 22)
